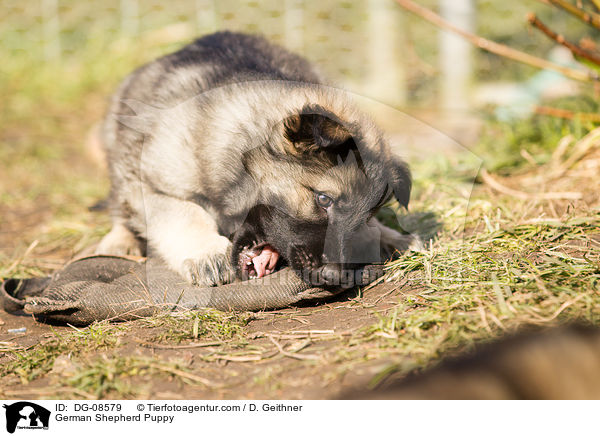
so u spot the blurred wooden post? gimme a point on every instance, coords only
(206, 16)
(456, 54)
(294, 22)
(130, 19)
(385, 70)
(51, 26)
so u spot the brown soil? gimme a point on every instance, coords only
(329, 362)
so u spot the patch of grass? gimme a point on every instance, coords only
(39, 359)
(13, 266)
(206, 324)
(502, 143)
(97, 335)
(126, 376)
(513, 264)
(73, 361)
(104, 375)
(31, 364)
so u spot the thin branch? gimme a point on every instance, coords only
(581, 148)
(591, 18)
(178, 347)
(557, 312)
(494, 47)
(246, 358)
(567, 114)
(575, 49)
(489, 180)
(21, 258)
(292, 355)
(184, 374)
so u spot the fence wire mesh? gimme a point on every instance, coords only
(354, 42)
(369, 46)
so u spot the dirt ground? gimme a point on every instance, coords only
(289, 353)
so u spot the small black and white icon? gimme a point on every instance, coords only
(26, 415)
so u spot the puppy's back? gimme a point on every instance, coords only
(212, 61)
(237, 57)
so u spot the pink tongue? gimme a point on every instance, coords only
(265, 261)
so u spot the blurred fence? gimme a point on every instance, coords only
(358, 43)
(369, 46)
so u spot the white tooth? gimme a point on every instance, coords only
(249, 262)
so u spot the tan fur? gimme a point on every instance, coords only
(558, 364)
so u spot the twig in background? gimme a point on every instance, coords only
(20, 259)
(575, 49)
(556, 313)
(290, 354)
(561, 149)
(567, 114)
(177, 347)
(245, 358)
(528, 157)
(596, 4)
(581, 148)
(591, 18)
(492, 183)
(496, 48)
(183, 374)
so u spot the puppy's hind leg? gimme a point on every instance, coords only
(120, 241)
(393, 242)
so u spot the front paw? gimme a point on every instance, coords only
(210, 270)
(392, 247)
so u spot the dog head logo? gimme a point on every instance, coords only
(26, 415)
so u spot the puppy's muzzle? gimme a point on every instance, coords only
(347, 276)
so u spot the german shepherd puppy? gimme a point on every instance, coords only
(230, 157)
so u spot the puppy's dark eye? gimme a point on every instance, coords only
(323, 200)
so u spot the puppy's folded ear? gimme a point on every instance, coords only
(400, 180)
(315, 129)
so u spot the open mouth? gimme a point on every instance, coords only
(258, 261)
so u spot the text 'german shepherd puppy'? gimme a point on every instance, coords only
(231, 158)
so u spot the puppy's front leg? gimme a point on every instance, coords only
(393, 242)
(187, 239)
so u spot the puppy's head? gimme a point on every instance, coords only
(320, 181)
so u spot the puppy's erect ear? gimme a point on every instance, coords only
(400, 180)
(315, 131)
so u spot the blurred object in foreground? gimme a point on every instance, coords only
(561, 363)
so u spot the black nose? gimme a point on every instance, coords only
(330, 273)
